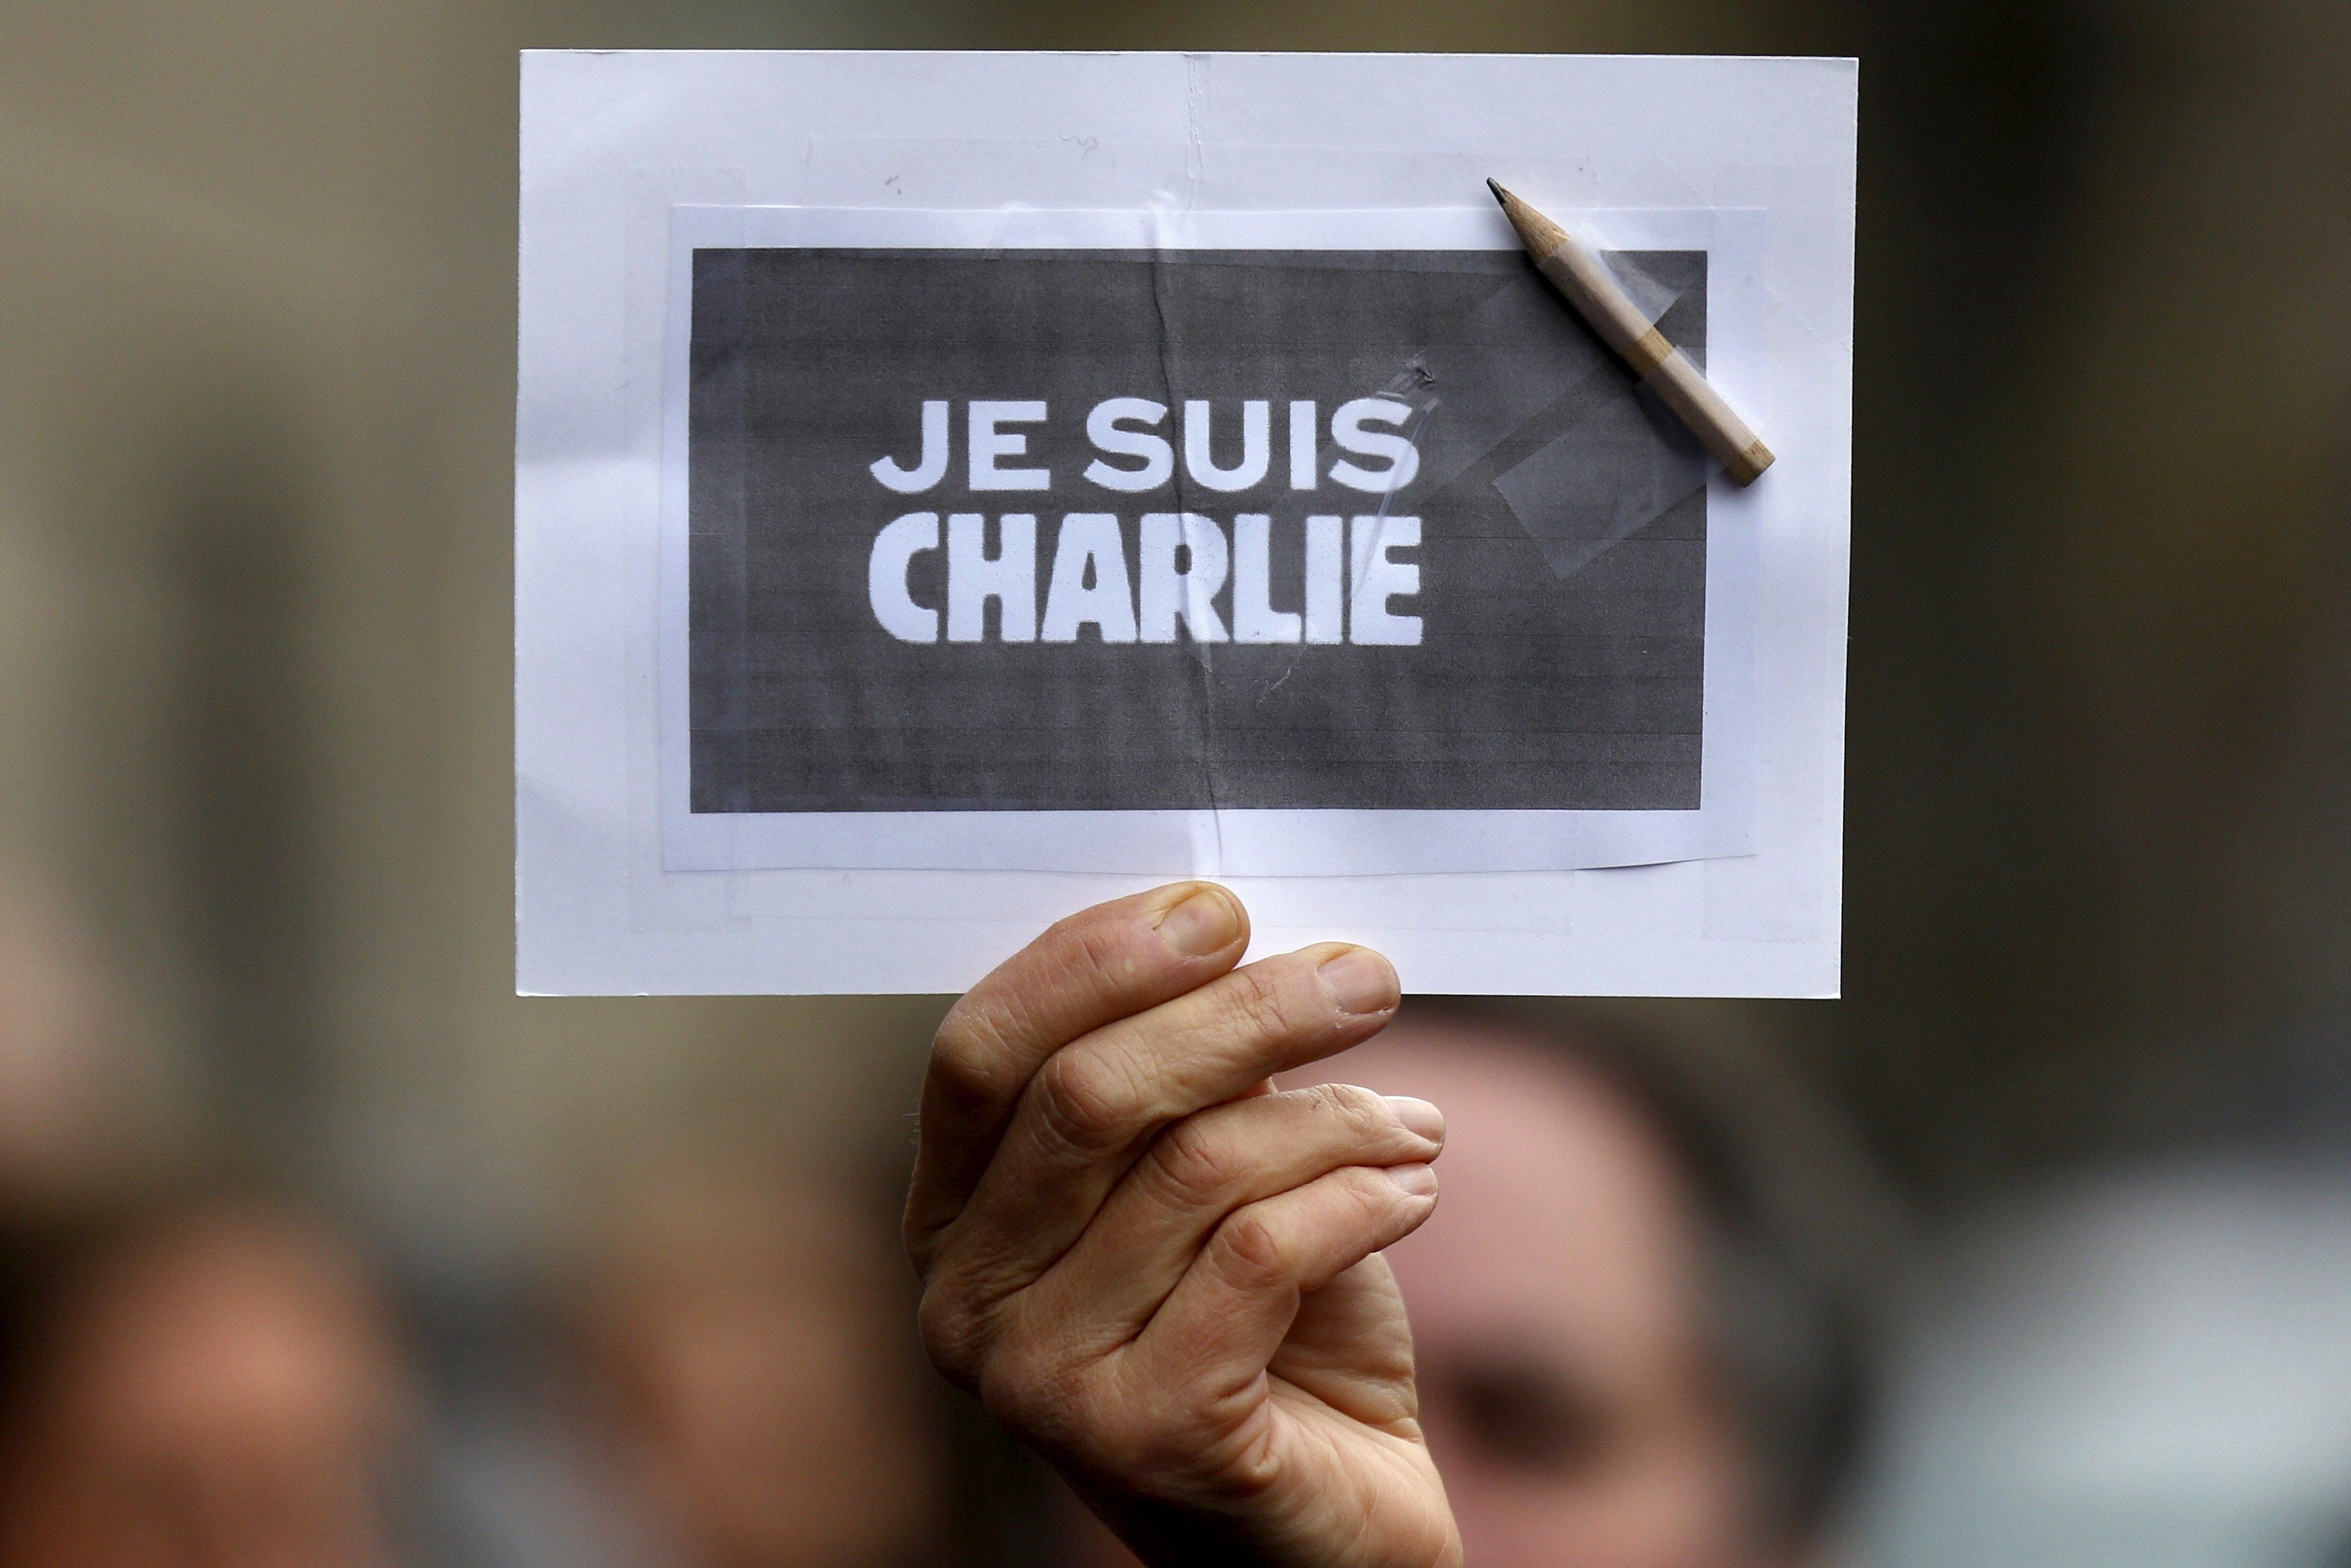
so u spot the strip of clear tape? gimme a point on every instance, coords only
(1615, 459)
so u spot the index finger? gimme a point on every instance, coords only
(1098, 966)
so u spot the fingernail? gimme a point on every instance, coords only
(1204, 923)
(1419, 1116)
(1360, 982)
(1419, 1180)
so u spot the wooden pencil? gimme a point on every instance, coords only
(1577, 273)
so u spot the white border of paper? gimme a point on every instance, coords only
(1209, 843)
(613, 141)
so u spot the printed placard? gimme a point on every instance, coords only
(954, 488)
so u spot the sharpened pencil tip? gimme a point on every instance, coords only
(1501, 197)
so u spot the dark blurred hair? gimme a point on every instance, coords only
(1803, 1239)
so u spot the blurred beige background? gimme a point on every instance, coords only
(256, 388)
(256, 289)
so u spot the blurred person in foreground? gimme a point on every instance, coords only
(67, 1087)
(1638, 1343)
(748, 1375)
(721, 1378)
(207, 1383)
(215, 1388)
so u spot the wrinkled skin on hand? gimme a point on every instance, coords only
(1161, 1273)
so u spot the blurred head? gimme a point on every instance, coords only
(218, 1390)
(747, 1336)
(76, 1110)
(1636, 1337)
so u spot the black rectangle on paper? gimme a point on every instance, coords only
(1549, 656)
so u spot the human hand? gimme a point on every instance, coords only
(1160, 1272)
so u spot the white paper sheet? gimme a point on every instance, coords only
(632, 162)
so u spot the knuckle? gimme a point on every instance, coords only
(1257, 1467)
(951, 1334)
(1035, 1392)
(1084, 1101)
(920, 1242)
(1378, 1199)
(961, 1054)
(1257, 1005)
(1192, 1165)
(1107, 948)
(1365, 1116)
(1251, 1250)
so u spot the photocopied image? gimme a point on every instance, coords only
(922, 532)
(1250, 552)
(1392, 545)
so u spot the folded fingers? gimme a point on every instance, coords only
(1228, 1315)
(1091, 1110)
(1197, 1171)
